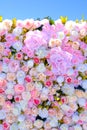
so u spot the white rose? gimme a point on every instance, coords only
(22, 126)
(41, 52)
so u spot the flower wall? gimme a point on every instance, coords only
(43, 74)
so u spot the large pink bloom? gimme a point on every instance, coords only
(59, 60)
(34, 39)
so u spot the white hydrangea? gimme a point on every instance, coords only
(77, 127)
(41, 68)
(30, 63)
(17, 45)
(14, 126)
(64, 127)
(60, 79)
(82, 67)
(68, 89)
(2, 114)
(17, 31)
(84, 84)
(43, 113)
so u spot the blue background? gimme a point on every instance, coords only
(22, 9)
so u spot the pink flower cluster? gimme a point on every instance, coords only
(43, 75)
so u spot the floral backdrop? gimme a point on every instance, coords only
(43, 74)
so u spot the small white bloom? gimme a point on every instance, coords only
(16, 111)
(81, 101)
(2, 114)
(77, 127)
(30, 63)
(70, 72)
(22, 126)
(64, 127)
(38, 85)
(26, 96)
(23, 104)
(65, 107)
(45, 90)
(17, 31)
(43, 113)
(70, 25)
(2, 75)
(75, 117)
(17, 46)
(82, 67)
(84, 84)
(14, 126)
(54, 122)
(5, 68)
(9, 91)
(68, 89)
(1, 127)
(41, 52)
(41, 68)
(21, 118)
(38, 124)
(60, 79)
(85, 52)
(61, 35)
(20, 74)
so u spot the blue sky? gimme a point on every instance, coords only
(22, 9)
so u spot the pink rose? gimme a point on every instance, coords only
(19, 88)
